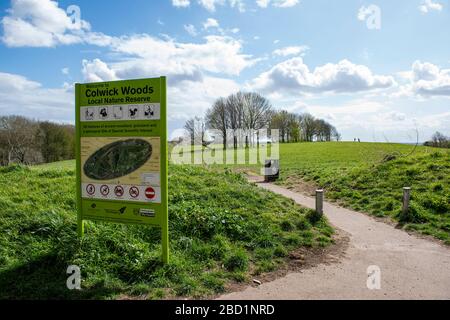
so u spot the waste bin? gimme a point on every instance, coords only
(271, 170)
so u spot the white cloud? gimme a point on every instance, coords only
(289, 51)
(211, 5)
(425, 80)
(195, 71)
(263, 3)
(277, 3)
(181, 3)
(21, 96)
(210, 23)
(188, 98)
(294, 76)
(65, 71)
(428, 6)
(191, 30)
(149, 55)
(97, 71)
(40, 23)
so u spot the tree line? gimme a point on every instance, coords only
(248, 112)
(438, 140)
(27, 141)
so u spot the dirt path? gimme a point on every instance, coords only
(411, 267)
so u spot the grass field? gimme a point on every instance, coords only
(369, 177)
(222, 230)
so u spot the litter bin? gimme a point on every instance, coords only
(271, 170)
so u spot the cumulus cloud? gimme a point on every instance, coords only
(428, 6)
(42, 23)
(211, 5)
(181, 3)
(210, 23)
(195, 71)
(21, 96)
(291, 51)
(277, 3)
(294, 76)
(426, 80)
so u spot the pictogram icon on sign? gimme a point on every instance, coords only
(104, 190)
(150, 193)
(134, 192)
(118, 191)
(90, 189)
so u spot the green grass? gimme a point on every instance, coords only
(358, 175)
(222, 229)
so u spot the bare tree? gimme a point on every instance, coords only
(309, 126)
(18, 135)
(257, 112)
(218, 118)
(196, 129)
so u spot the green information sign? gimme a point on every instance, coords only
(122, 153)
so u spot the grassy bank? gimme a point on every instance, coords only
(369, 177)
(222, 230)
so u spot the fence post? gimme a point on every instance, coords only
(406, 197)
(319, 201)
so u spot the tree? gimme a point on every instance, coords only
(18, 139)
(439, 140)
(196, 129)
(309, 126)
(55, 141)
(217, 118)
(257, 112)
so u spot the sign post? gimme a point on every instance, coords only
(121, 154)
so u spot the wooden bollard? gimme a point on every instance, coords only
(406, 197)
(319, 201)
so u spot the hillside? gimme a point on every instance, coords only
(222, 230)
(369, 177)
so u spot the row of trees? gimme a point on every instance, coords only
(439, 140)
(302, 127)
(27, 141)
(249, 112)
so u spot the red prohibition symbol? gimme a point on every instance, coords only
(90, 189)
(104, 190)
(150, 193)
(118, 191)
(134, 192)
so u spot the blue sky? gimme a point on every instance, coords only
(377, 70)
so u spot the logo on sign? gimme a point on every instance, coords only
(90, 189)
(118, 191)
(134, 192)
(150, 193)
(104, 190)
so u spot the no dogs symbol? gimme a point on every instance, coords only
(134, 192)
(118, 191)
